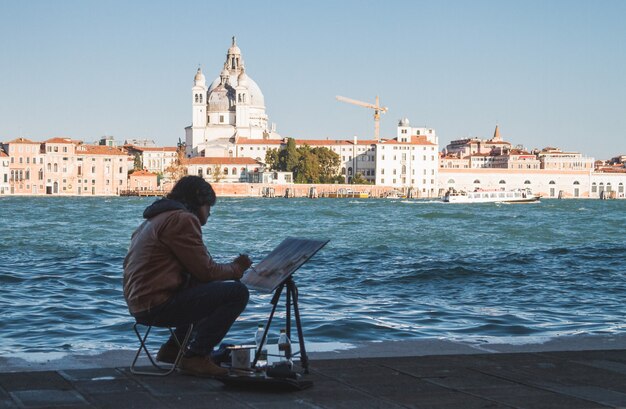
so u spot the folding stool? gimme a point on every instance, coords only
(160, 370)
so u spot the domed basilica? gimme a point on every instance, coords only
(232, 107)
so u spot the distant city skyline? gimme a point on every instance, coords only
(549, 73)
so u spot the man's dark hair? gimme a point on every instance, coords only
(193, 192)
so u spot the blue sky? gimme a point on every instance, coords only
(550, 73)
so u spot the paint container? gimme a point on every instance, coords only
(240, 357)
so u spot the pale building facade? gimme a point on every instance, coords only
(103, 170)
(410, 161)
(215, 170)
(26, 164)
(555, 159)
(231, 107)
(549, 184)
(62, 168)
(157, 159)
(142, 180)
(4, 172)
(612, 184)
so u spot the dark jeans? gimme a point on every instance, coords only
(212, 307)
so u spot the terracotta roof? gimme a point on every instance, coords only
(142, 173)
(155, 149)
(23, 140)
(61, 140)
(201, 160)
(310, 142)
(99, 150)
(3, 154)
(415, 140)
(611, 170)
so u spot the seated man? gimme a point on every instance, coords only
(171, 280)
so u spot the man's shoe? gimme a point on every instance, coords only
(168, 352)
(200, 366)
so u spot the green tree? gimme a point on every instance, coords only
(218, 173)
(272, 159)
(329, 163)
(308, 168)
(289, 156)
(137, 162)
(358, 179)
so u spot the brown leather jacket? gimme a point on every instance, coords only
(166, 251)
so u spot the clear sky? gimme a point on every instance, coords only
(550, 73)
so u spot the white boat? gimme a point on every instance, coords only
(491, 196)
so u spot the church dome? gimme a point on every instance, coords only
(404, 122)
(221, 99)
(231, 75)
(256, 96)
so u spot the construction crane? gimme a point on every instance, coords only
(377, 111)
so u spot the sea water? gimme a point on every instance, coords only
(393, 269)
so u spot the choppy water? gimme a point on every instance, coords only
(393, 270)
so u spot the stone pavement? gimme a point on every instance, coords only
(575, 379)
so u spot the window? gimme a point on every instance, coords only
(502, 182)
(221, 118)
(552, 182)
(451, 181)
(476, 181)
(527, 182)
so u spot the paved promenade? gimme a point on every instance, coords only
(574, 379)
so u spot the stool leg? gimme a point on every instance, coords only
(160, 370)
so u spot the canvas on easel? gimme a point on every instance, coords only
(281, 263)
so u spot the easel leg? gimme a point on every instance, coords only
(274, 302)
(291, 288)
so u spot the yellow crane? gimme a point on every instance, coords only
(377, 111)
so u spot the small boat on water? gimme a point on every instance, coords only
(491, 196)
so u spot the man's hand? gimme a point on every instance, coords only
(244, 262)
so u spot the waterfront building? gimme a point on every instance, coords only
(555, 159)
(101, 170)
(471, 146)
(62, 167)
(143, 180)
(608, 183)
(548, 183)
(154, 159)
(4, 172)
(26, 164)
(231, 107)
(222, 169)
(409, 161)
